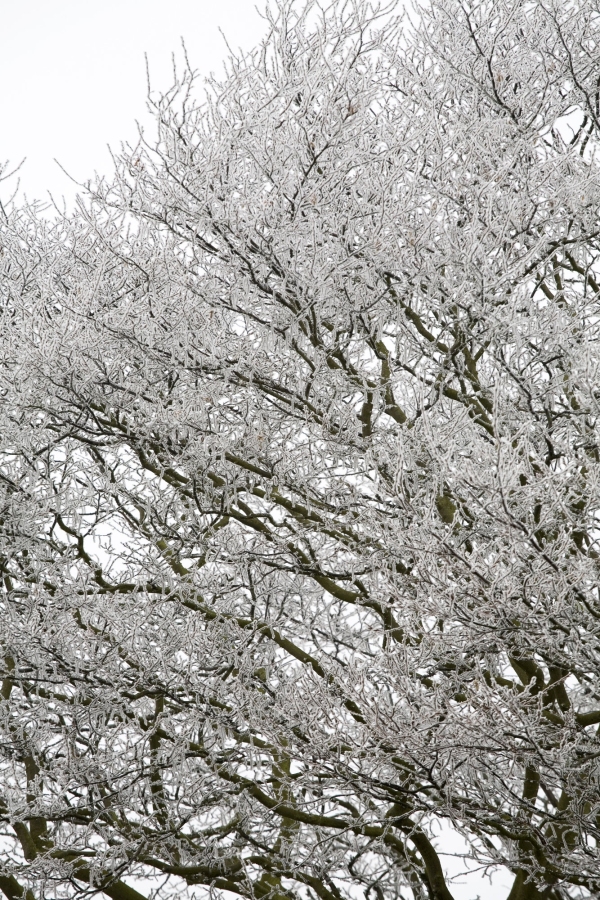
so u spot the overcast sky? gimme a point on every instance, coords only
(73, 78)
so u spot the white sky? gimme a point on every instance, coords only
(73, 77)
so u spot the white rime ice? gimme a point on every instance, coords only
(300, 475)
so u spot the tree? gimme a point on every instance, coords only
(301, 478)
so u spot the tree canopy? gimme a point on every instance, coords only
(300, 475)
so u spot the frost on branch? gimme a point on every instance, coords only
(301, 478)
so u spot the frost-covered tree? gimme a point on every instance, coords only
(300, 476)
